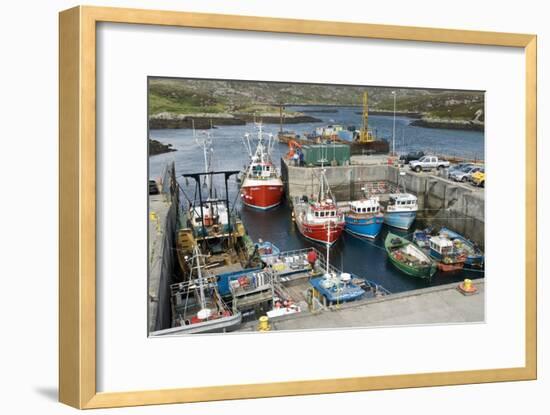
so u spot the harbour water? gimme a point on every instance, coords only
(362, 257)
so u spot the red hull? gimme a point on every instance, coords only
(262, 197)
(318, 232)
(450, 267)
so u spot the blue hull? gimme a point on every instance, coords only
(475, 260)
(333, 295)
(364, 227)
(400, 220)
(435, 255)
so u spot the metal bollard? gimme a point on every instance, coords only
(264, 324)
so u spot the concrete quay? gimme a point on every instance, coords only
(442, 304)
(162, 221)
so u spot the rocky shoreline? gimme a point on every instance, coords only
(421, 120)
(465, 125)
(327, 111)
(397, 113)
(206, 121)
(156, 147)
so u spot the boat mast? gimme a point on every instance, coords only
(206, 143)
(260, 148)
(199, 275)
(401, 180)
(328, 247)
(207, 168)
(322, 184)
(281, 118)
(247, 145)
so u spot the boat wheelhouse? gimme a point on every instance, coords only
(440, 247)
(364, 218)
(401, 210)
(445, 252)
(319, 221)
(216, 218)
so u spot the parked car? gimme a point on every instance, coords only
(413, 155)
(428, 163)
(478, 178)
(464, 174)
(153, 187)
(459, 166)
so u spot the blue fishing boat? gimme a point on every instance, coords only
(334, 286)
(401, 210)
(474, 255)
(364, 218)
(337, 288)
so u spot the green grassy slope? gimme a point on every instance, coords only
(214, 96)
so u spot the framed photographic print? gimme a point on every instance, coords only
(304, 197)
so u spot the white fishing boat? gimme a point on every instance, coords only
(401, 209)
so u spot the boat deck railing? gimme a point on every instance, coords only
(255, 282)
(191, 284)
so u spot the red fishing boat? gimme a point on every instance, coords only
(262, 187)
(319, 220)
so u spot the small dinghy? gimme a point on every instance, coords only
(409, 258)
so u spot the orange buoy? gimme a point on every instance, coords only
(466, 287)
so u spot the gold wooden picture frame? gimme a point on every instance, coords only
(77, 214)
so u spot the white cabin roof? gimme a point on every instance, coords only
(441, 241)
(403, 196)
(365, 203)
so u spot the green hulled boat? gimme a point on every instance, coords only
(409, 258)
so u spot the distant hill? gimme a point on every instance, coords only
(183, 96)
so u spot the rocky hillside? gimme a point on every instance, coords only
(171, 99)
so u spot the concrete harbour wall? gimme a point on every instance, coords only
(441, 202)
(162, 261)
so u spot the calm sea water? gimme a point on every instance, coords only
(361, 257)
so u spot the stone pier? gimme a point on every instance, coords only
(441, 202)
